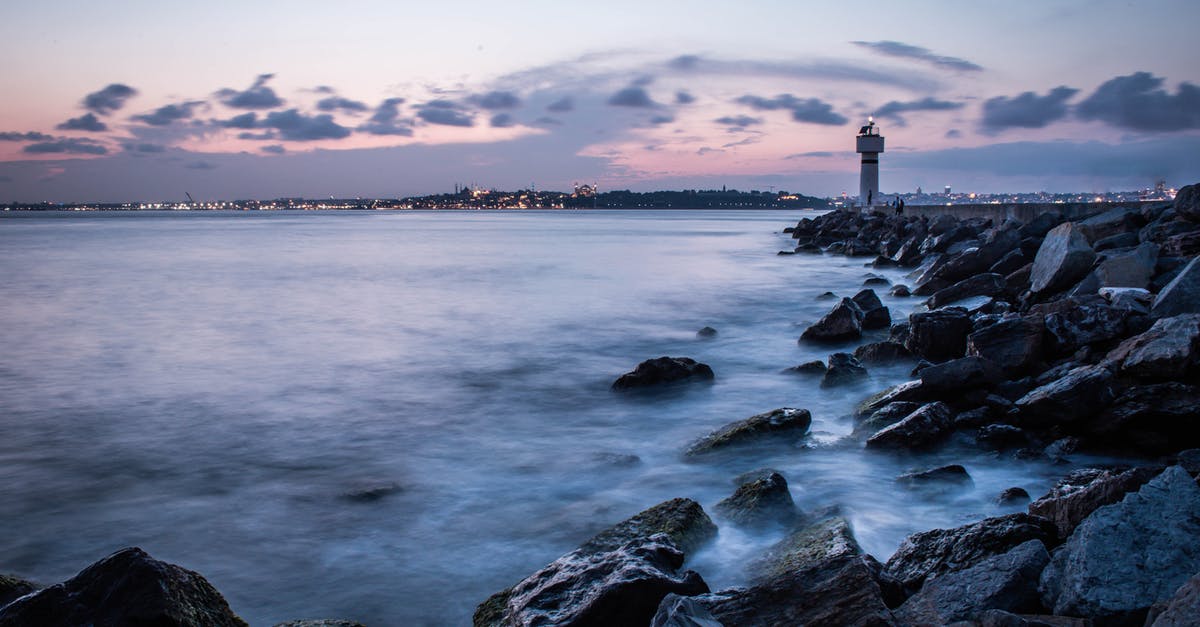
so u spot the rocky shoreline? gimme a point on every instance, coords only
(1037, 340)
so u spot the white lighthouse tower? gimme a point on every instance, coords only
(870, 144)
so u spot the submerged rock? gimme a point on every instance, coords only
(663, 370)
(843, 369)
(761, 500)
(706, 332)
(1013, 496)
(783, 421)
(809, 367)
(953, 474)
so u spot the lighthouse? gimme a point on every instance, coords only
(870, 144)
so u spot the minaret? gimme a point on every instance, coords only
(870, 144)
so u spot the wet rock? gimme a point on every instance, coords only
(1068, 331)
(909, 391)
(786, 421)
(826, 296)
(679, 611)
(321, 622)
(876, 281)
(843, 369)
(1123, 558)
(1013, 496)
(1001, 437)
(1165, 351)
(706, 332)
(987, 284)
(1187, 202)
(939, 335)
(1081, 393)
(1005, 582)
(885, 416)
(1013, 344)
(843, 322)
(1151, 419)
(14, 587)
(929, 554)
(1182, 609)
(881, 353)
(875, 315)
(682, 520)
(921, 429)
(971, 418)
(760, 501)
(809, 367)
(953, 474)
(1082, 492)
(1063, 258)
(900, 291)
(1181, 295)
(126, 588)
(663, 370)
(958, 375)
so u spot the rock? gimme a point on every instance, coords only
(1131, 298)
(885, 416)
(875, 315)
(1183, 608)
(876, 280)
(953, 474)
(929, 554)
(1111, 222)
(1166, 227)
(1123, 558)
(1165, 351)
(706, 332)
(1187, 202)
(762, 500)
(320, 622)
(971, 418)
(959, 375)
(1013, 344)
(1063, 258)
(1132, 268)
(1000, 618)
(1040, 225)
(1005, 582)
(1120, 240)
(13, 587)
(1082, 492)
(900, 291)
(663, 370)
(1183, 244)
(939, 335)
(1082, 393)
(843, 322)
(1001, 437)
(921, 429)
(826, 296)
(785, 421)
(881, 353)
(1189, 460)
(1012, 261)
(1181, 295)
(1151, 419)
(678, 611)
(809, 367)
(843, 369)
(1080, 326)
(908, 391)
(1012, 496)
(987, 284)
(126, 588)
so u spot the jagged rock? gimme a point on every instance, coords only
(1187, 202)
(987, 284)
(1081, 393)
(682, 520)
(1063, 258)
(1013, 496)
(1000, 618)
(761, 500)
(939, 335)
(1149, 419)
(1126, 556)
(826, 296)
(900, 291)
(875, 315)
(779, 422)
(1182, 609)
(955, 268)
(1183, 244)
(958, 375)
(843, 322)
(1133, 268)
(1012, 261)
(909, 391)
(809, 367)
(886, 416)
(1131, 298)
(1040, 225)
(1181, 295)
(1164, 228)
(706, 332)
(1005, 582)
(971, 418)
(923, 428)
(1000, 437)
(126, 588)
(881, 353)
(663, 370)
(1120, 240)
(954, 474)
(929, 554)
(876, 280)
(679, 611)
(843, 369)
(1082, 492)
(1165, 351)
(1013, 344)
(1080, 326)
(1190, 460)
(1111, 222)
(13, 587)
(320, 622)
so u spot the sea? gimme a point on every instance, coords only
(389, 416)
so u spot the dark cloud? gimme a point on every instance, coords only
(810, 110)
(706, 149)
(200, 165)
(268, 135)
(445, 113)
(386, 120)
(659, 120)
(740, 121)
(245, 120)
(1027, 110)
(87, 122)
(683, 97)
(502, 120)
(1139, 102)
(297, 127)
(547, 121)
(324, 89)
(67, 145)
(895, 108)
(495, 100)
(275, 149)
(258, 96)
(743, 142)
(562, 105)
(168, 114)
(31, 136)
(109, 99)
(953, 133)
(695, 65)
(632, 96)
(908, 51)
(337, 103)
(144, 148)
(819, 154)
(684, 62)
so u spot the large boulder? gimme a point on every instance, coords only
(1182, 609)
(921, 429)
(785, 421)
(843, 368)
(1083, 491)
(881, 352)
(1078, 395)
(1165, 351)
(1084, 325)
(987, 284)
(682, 520)
(960, 375)
(1111, 222)
(1063, 258)
(1006, 582)
(1155, 419)
(939, 335)
(126, 588)
(1181, 295)
(843, 322)
(875, 315)
(761, 500)
(1187, 202)
(1040, 225)
(1013, 344)
(1132, 268)
(663, 370)
(1126, 556)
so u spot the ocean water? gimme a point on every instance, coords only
(388, 416)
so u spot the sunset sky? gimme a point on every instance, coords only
(139, 100)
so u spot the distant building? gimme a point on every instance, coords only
(584, 191)
(947, 190)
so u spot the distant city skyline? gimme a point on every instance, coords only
(132, 100)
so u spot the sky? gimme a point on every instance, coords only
(148, 101)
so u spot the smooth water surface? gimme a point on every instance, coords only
(389, 416)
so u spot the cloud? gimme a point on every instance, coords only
(337, 103)
(810, 110)
(1027, 110)
(704, 150)
(953, 133)
(445, 113)
(740, 121)
(31, 136)
(275, 149)
(80, 146)
(743, 142)
(295, 126)
(168, 114)
(244, 120)
(258, 96)
(682, 97)
(109, 99)
(502, 120)
(632, 96)
(895, 108)
(562, 105)
(659, 120)
(385, 120)
(144, 148)
(1138, 102)
(821, 69)
(268, 135)
(87, 122)
(908, 51)
(200, 165)
(819, 154)
(495, 100)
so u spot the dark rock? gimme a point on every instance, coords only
(883, 262)
(1123, 558)
(876, 280)
(1058, 450)
(1082, 393)
(960, 374)
(1019, 281)
(1001, 437)
(1012, 261)
(1013, 344)
(1132, 268)
(900, 291)
(809, 367)
(843, 369)
(1164, 228)
(881, 353)
(1067, 332)
(1082, 492)
(898, 332)
(1183, 244)
(886, 416)
(979, 285)
(939, 335)
(908, 391)
(1005, 582)
(1013, 496)
(956, 268)
(126, 588)
(929, 554)
(971, 418)
(1000, 618)
(706, 332)
(1131, 298)
(1187, 202)
(1182, 609)
(1112, 222)
(826, 296)
(843, 322)
(321, 622)
(1151, 419)
(663, 370)
(679, 611)
(785, 421)
(682, 520)
(1063, 258)
(1120, 240)
(1181, 295)
(1039, 226)
(761, 501)
(13, 587)
(875, 315)
(952, 474)
(921, 429)
(1165, 351)
(1189, 460)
